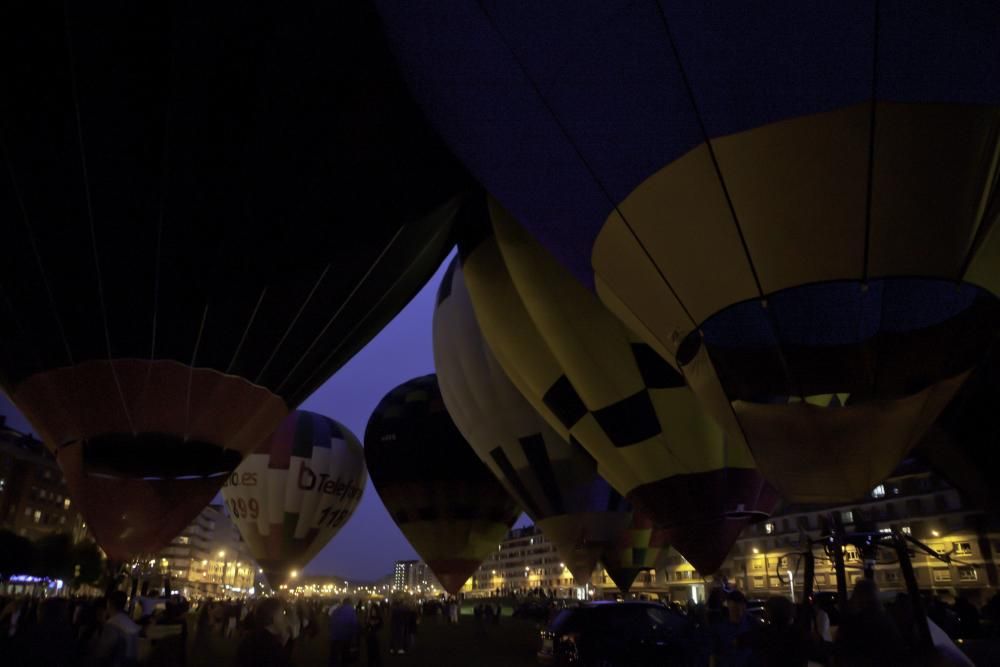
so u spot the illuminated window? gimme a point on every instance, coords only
(967, 574)
(961, 548)
(847, 516)
(769, 528)
(907, 530)
(942, 574)
(37, 516)
(66, 503)
(879, 491)
(885, 530)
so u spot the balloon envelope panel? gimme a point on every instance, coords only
(448, 504)
(550, 474)
(640, 547)
(296, 491)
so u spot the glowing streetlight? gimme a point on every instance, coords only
(295, 574)
(222, 554)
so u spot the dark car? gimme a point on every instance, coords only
(612, 634)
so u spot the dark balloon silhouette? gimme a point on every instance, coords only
(447, 503)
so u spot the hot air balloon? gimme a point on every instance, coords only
(296, 491)
(448, 504)
(207, 210)
(640, 547)
(553, 478)
(585, 372)
(789, 201)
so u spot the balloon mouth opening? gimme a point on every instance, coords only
(154, 456)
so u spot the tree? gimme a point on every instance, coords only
(88, 563)
(53, 557)
(17, 554)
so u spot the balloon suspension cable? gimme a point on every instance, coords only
(869, 541)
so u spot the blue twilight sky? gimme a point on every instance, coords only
(366, 547)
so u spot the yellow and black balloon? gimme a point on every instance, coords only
(448, 505)
(549, 473)
(587, 374)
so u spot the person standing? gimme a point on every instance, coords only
(344, 628)
(264, 645)
(728, 630)
(373, 630)
(118, 643)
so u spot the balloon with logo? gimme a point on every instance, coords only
(553, 478)
(296, 491)
(207, 210)
(795, 204)
(584, 372)
(448, 505)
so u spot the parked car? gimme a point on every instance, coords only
(613, 634)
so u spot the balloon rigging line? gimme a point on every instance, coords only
(872, 115)
(341, 308)
(246, 331)
(707, 140)
(579, 153)
(295, 319)
(194, 356)
(90, 216)
(989, 207)
(34, 250)
(792, 381)
(164, 181)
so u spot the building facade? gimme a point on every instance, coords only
(915, 502)
(523, 562)
(413, 575)
(208, 558)
(34, 500)
(767, 558)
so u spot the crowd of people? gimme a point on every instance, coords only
(867, 632)
(724, 631)
(93, 631)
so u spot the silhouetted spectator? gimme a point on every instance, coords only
(968, 619)
(264, 646)
(866, 635)
(53, 641)
(118, 643)
(344, 629)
